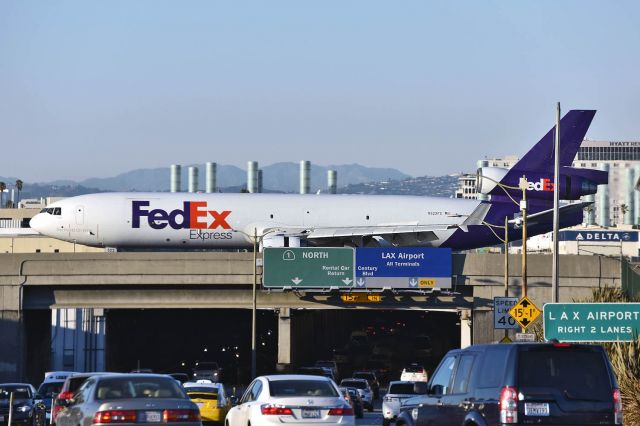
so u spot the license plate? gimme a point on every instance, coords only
(310, 414)
(536, 409)
(153, 416)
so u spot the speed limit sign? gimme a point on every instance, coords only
(501, 317)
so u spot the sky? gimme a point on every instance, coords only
(94, 89)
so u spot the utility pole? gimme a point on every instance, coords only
(556, 206)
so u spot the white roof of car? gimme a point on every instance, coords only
(295, 377)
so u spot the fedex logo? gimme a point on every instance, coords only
(543, 184)
(193, 215)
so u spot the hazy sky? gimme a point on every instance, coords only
(96, 88)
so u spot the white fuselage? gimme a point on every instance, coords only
(196, 220)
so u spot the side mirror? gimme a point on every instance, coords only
(234, 400)
(420, 388)
(436, 390)
(64, 402)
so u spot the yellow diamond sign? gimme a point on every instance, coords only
(525, 312)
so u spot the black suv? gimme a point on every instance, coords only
(520, 383)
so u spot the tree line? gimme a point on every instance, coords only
(3, 187)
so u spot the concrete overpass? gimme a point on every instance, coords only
(97, 281)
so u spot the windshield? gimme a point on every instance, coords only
(401, 389)
(354, 384)
(134, 387)
(305, 388)
(19, 392)
(50, 388)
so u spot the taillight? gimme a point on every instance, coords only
(64, 396)
(115, 416)
(617, 407)
(508, 405)
(275, 410)
(341, 411)
(180, 416)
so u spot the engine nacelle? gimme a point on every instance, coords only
(488, 178)
(573, 183)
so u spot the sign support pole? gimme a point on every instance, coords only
(506, 263)
(253, 305)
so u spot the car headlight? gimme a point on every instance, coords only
(23, 408)
(414, 414)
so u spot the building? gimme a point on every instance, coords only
(618, 199)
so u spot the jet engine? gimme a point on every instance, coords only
(488, 178)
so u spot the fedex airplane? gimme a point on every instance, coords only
(216, 220)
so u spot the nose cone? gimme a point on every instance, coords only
(39, 223)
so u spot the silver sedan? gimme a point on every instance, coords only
(129, 399)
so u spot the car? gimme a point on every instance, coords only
(210, 397)
(316, 371)
(329, 364)
(209, 370)
(69, 387)
(353, 397)
(27, 409)
(363, 388)
(518, 383)
(414, 373)
(398, 392)
(291, 398)
(181, 377)
(370, 377)
(130, 398)
(48, 391)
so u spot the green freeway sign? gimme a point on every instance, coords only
(308, 267)
(591, 322)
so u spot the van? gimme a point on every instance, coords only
(520, 383)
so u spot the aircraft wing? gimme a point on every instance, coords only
(546, 216)
(392, 234)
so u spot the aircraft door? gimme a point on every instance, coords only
(79, 215)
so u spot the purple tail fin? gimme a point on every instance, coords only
(540, 158)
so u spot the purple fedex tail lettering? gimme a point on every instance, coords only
(191, 216)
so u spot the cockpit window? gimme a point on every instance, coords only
(56, 211)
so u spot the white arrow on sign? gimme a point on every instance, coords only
(360, 282)
(296, 280)
(347, 281)
(413, 282)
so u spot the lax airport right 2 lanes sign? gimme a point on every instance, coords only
(591, 322)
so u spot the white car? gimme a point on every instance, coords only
(398, 392)
(414, 373)
(363, 389)
(292, 398)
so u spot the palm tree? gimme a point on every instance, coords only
(19, 188)
(3, 186)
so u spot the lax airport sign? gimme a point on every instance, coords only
(407, 268)
(591, 322)
(362, 268)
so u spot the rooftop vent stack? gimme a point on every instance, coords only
(210, 176)
(481, 164)
(260, 180)
(305, 167)
(590, 212)
(193, 178)
(629, 195)
(252, 176)
(636, 197)
(332, 181)
(176, 170)
(603, 200)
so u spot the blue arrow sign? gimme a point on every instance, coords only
(417, 268)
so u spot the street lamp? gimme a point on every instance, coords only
(256, 240)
